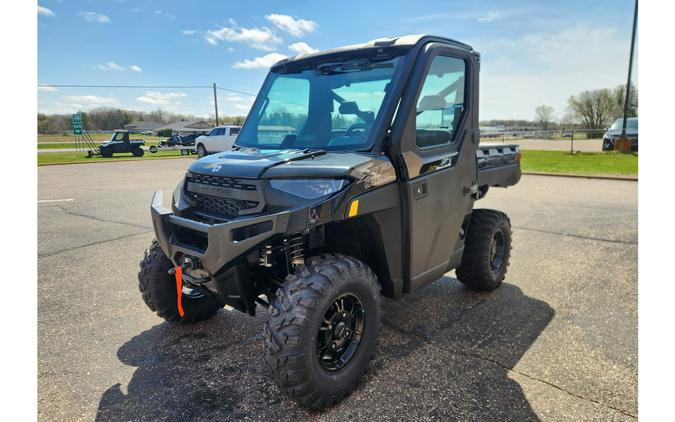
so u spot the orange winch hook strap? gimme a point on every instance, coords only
(179, 289)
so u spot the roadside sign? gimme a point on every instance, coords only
(77, 124)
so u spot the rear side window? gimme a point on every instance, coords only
(440, 105)
(234, 131)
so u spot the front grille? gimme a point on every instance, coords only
(225, 182)
(230, 208)
(226, 197)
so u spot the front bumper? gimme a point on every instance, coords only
(216, 245)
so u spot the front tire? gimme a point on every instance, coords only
(158, 288)
(323, 329)
(487, 250)
(201, 151)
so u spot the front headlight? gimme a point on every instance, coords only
(309, 188)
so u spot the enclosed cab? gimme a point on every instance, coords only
(355, 174)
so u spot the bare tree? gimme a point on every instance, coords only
(594, 110)
(543, 116)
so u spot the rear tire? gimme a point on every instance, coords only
(158, 288)
(138, 152)
(152, 149)
(314, 363)
(487, 250)
(201, 151)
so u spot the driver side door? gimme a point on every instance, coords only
(435, 150)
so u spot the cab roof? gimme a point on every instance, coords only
(401, 41)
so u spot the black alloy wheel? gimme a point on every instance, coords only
(340, 333)
(497, 251)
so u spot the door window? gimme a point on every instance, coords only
(234, 131)
(440, 105)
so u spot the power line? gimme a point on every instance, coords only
(124, 86)
(147, 87)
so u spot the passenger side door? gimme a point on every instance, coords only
(437, 152)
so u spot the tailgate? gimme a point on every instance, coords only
(498, 165)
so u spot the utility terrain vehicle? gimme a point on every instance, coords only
(354, 175)
(120, 143)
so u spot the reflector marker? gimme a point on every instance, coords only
(179, 289)
(354, 208)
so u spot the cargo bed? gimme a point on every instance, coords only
(498, 164)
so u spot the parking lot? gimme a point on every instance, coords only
(558, 341)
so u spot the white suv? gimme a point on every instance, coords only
(221, 138)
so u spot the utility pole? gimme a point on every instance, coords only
(215, 101)
(630, 70)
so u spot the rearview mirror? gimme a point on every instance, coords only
(431, 102)
(349, 107)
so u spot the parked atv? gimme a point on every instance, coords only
(119, 143)
(355, 175)
(177, 141)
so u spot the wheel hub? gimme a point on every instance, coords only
(340, 332)
(497, 249)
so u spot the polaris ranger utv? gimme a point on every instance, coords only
(354, 175)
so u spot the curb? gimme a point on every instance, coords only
(583, 176)
(69, 163)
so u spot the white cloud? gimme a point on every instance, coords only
(79, 100)
(188, 32)
(94, 17)
(260, 38)
(160, 98)
(116, 67)
(45, 12)
(136, 10)
(489, 17)
(244, 107)
(233, 98)
(519, 74)
(263, 62)
(295, 27)
(47, 89)
(302, 48)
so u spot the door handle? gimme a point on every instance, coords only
(420, 190)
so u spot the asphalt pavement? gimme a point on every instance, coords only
(558, 341)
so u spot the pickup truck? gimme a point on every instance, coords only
(365, 187)
(219, 139)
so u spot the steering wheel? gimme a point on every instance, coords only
(361, 127)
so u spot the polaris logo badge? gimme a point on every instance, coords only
(216, 168)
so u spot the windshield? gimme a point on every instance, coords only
(632, 123)
(330, 107)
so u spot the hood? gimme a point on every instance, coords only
(617, 132)
(255, 164)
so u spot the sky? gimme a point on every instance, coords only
(532, 52)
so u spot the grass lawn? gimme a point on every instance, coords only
(600, 163)
(43, 145)
(97, 137)
(80, 157)
(605, 163)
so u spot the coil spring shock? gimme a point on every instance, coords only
(294, 248)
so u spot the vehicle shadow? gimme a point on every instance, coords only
(214, 370)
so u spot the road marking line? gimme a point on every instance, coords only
(55, 200)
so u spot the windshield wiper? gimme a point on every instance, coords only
(331, 68)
